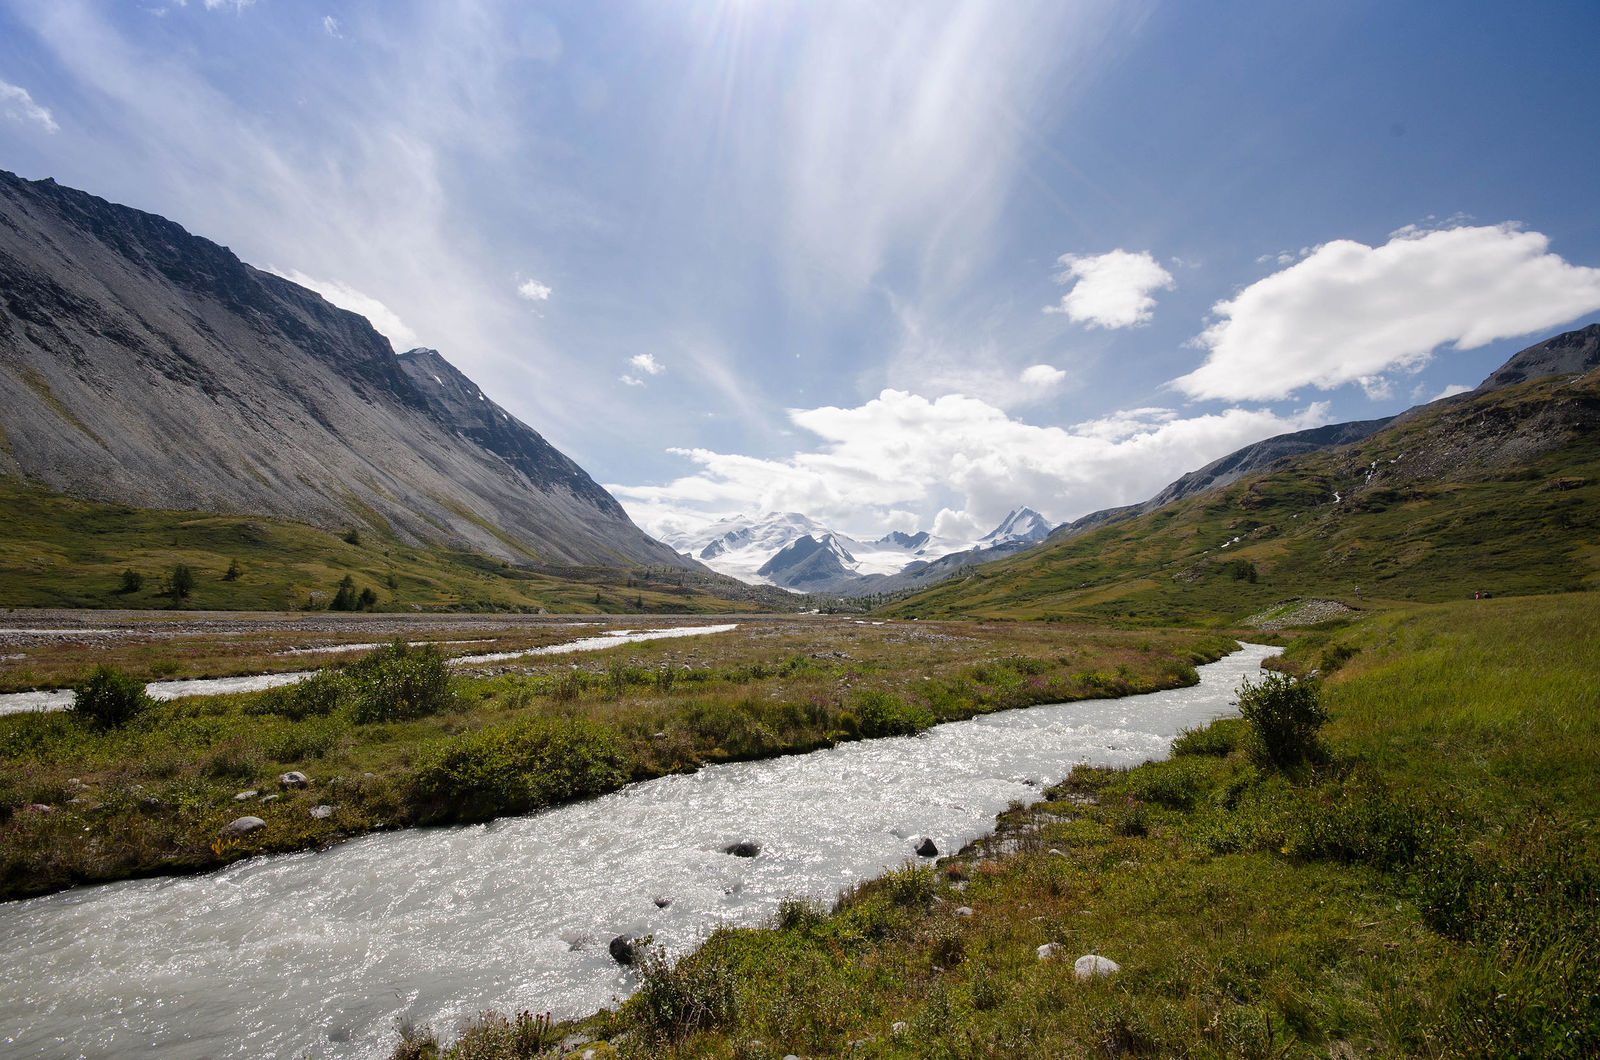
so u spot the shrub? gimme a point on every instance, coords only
(233, 572)
(322, 693)
(515, 768)
(1221, 738)
(180, 582)
(674, 1000)
(110, 698)
(399, 682)
(883, 714)
(1284, 715)
(132, 581)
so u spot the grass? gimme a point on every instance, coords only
(57, 551)
(1495, 494)
(152, 795)
(1429, 885)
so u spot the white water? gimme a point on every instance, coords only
(61, 698)
(317, 954)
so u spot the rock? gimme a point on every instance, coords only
(623, 951)
(270, 798)
(661, 901)
(1050, 951)
(1054, 853)
(965, 910)
(744, 848)
(322, 813)
(1092, 965)
(242, 826)
(245, 796)
(293, 779)
(39, 807)
(149, 805)
(927, 848)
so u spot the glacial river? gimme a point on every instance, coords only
(319, 954)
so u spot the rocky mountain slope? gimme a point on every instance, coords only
(145, 366)
(1489, 491)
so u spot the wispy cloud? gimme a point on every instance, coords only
(385, 320)
(18, 105)
(1348, 313)
(237, 5)
(330, 26)
(1112, 290)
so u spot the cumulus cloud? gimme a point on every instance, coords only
(534, 291)
(647, 363)
(1348, 313)
(385, 320)
(18, 105)
(956, 459)
(1042, 376)
(1111, 290)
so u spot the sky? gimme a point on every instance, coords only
(895, 266)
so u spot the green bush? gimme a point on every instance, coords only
(399, 682)
(883, 714)
(675, 1000)
(322, 693)
(515, 768)
(109, 698)
(1220, 739)
(1284, 714)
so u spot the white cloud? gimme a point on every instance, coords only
(18, 105)
(956, 460)
(1110, 290)
(1043, 376)
(534, 291)
(1348, 312)
(1451, 391)
(330, 26)
(385, 320)
(647, 363)
(631, 380)
(237, 5)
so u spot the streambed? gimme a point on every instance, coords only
(319, 953)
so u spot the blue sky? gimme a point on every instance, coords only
(893, 265)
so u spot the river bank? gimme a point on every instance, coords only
(155, 797)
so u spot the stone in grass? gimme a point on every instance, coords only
(293, 779)
(240, 826)
(744, 848)
(246, 796)
(927, 849)
(965, 910)
(322, 813)
(1093, 966)
(1051, 951)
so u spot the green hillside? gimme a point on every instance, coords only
(1494, 493)
(57, 551)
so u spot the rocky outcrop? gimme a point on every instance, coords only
(143, 365)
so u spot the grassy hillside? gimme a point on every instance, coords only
(1495, 493)
(1425, 886)
(56, 551)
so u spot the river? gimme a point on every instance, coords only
(319, 954)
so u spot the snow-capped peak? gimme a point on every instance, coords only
(1024, 524)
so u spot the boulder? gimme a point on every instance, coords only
(927, 848)
(1093, 966)
(293, 779)
(744, 848)
(241, 826)
(322, 813)
(623, 950)
(246, 796)
(1051, 951)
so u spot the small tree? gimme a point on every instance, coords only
(367, 600)
(1285, 715)
(109, 698)
(132, 581)
(345, 599)
(352, 536)
(180, 582)
(233, 571)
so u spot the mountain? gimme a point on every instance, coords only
(1023, 524)
(1492, 491)
(145, 366)
(810, 564)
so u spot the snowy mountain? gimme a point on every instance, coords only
(796, 552)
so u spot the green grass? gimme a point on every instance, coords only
(1453, 509)
(390, 745)
(1428, 886)
(57, 551)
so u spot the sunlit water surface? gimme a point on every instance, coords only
(318, 954)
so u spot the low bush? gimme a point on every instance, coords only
(676, 999)
(109, 698)
(1284, 715)
(514, 768)
(884, 714)
(399, 682)
(1220, 739)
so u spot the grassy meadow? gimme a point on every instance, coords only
(397, 740)
(1424, 882)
